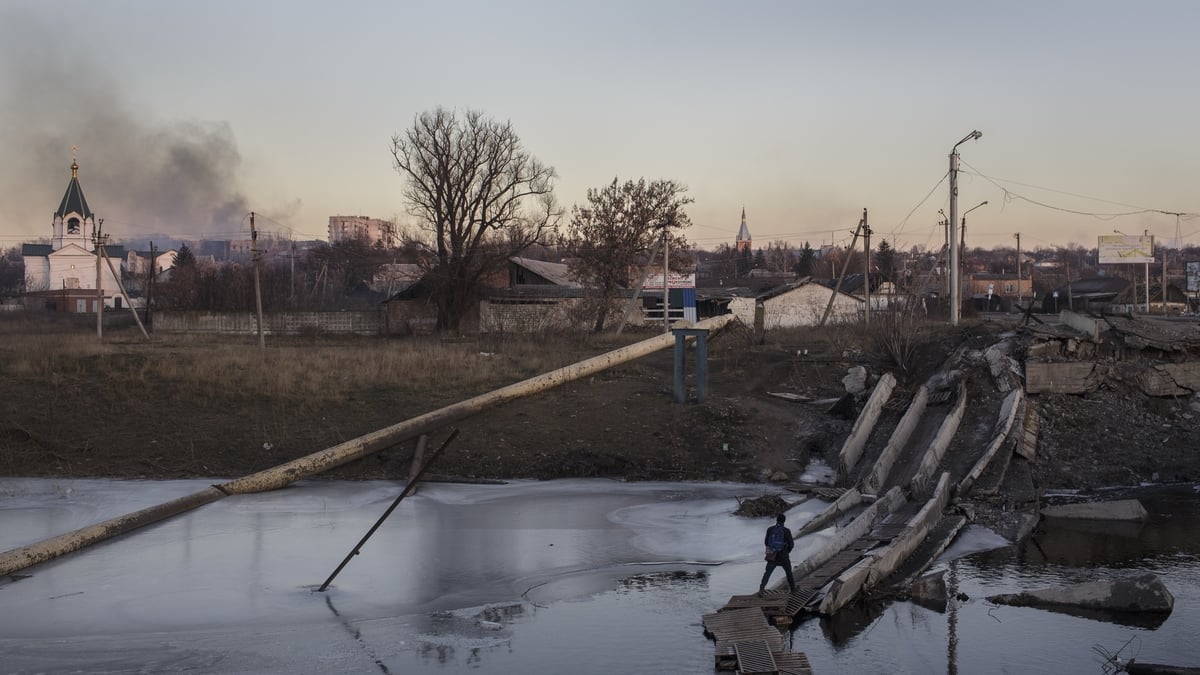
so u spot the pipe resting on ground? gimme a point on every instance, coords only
(356, 448)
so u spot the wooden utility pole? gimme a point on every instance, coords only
(666, 274)
(99, 282)
(121, 286)
(866, 266)
(262, 341)
(293, 261)
(845, 265)
(1018, 236)
(150, 282)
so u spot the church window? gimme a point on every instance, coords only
(73, 226)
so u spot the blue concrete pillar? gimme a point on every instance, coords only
(681, 336)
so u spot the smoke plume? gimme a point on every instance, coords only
(140, 174)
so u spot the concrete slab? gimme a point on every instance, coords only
(1123, 510)
(1142, 593)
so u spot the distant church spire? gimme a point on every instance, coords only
(743, 237)
(74, 222)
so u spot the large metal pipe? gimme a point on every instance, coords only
(357, 448)
(19, 558)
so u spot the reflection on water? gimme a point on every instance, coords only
(978, 637)
(579, 577)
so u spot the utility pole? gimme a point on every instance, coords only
(666, 273)
(1018, 236)
(153, 272)
(866, 267)
(954, 287)
(262, 342)
(1163, 285)
(1146, 235)
(845, 265)
(124, 294)
(99, 282)
(294, 273)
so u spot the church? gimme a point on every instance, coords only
(62, 274)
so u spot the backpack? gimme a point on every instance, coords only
(777, 539)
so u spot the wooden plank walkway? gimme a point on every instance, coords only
(743, 628)
(747, 643)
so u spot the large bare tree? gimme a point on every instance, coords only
(617, 229)
(479, 197)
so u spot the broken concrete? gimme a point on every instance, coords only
(1072, 377)
(1123, 510)
(852, 449)
(1008, 414)
(930, 591)
(855, 380)
(1084, 324)
(1143, 593)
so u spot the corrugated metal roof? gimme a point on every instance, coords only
(556, 273)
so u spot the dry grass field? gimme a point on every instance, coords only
(183, 406)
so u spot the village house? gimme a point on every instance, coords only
(800, 303)
(539, 295)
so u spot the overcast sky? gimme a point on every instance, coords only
(189, 114)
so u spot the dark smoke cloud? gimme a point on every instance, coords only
(140, 174)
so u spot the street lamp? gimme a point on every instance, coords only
(954, 289)
(962, 241)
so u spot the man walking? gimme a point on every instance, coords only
(779, 543)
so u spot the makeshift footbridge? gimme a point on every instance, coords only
(880, 536)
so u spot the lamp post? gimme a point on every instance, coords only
(955, 300)
(962, 240)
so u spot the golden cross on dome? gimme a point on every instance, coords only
(74, 153)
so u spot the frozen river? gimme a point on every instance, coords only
(578, 576)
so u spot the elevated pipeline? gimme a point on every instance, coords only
(285, 474)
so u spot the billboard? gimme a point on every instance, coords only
(1193, 277)
(675, 280)
(1121, 248)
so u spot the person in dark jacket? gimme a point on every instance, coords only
(779, 543)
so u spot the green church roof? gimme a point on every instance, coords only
(73, 201)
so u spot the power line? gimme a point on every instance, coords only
(1009, 195)
(896, 231)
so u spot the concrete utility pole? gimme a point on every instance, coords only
(262, 341)
(867, 267)
(955, 291)
(962, 240)
(99, 282)
(1018, 236)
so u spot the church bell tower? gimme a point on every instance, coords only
(74, 222)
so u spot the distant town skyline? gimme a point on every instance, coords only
(188, 115)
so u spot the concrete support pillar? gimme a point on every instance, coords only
(681, 336)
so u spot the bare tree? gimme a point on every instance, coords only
(618, 227)
(478, 194)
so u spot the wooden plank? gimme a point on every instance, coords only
(793, 663)
(1027, 441)
(754, 658)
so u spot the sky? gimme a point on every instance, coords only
(188, 115)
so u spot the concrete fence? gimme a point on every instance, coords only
(360, 322)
